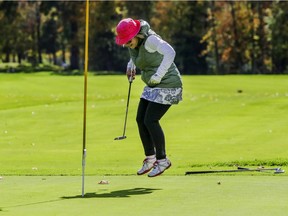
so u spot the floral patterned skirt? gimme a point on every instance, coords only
(166, 96)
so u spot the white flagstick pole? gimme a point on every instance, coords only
(85, 96)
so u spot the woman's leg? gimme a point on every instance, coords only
(151, 133)
(154, 112)
(147, 142)
(152, 136)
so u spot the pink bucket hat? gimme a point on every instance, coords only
(126, 30)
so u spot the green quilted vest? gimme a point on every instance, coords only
(148, 63)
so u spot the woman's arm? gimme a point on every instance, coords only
(153, 44)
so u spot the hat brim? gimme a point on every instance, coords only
(121, 41)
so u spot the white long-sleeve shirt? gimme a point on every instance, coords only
(156, 44)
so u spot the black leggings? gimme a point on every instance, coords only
(151, 133)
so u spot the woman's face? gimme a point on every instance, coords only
(132, 43)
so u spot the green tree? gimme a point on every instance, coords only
(32, 29)
(277, 23)
(8, 24)
(50, 35)
(103, 52)
(73, 15)
(66, 22)
(139, 9)
(183, 24)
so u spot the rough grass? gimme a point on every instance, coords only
(216, 125)
(223, 121)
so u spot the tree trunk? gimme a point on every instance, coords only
(74, 52)
(262, 45)
(19, 56)
(54, 58)
(237, 46)
(216, 51)
(250, 7)
(74, 58)
(38, 36)
(7, 56)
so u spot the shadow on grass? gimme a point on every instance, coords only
(3, 208)
(115, 194)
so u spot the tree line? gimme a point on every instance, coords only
(210, 37)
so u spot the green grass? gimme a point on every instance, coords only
(133, 195)
(215, 127)
(42, 121)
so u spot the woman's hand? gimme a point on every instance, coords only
(131, 74)
(155, 79)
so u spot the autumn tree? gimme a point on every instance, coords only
(240, 34)
(210, 37)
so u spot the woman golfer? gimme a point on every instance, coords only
(155, 58)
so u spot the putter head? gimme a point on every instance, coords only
(279, 170)
(242, 168)
(120, 138)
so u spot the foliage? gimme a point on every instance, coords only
(104, 54)
(243, 32)
(183, 25)
(277, 22)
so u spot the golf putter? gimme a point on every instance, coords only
(260, 169)
(126, 114)
(239, 169)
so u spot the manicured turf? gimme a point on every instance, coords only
(133, 195)
(222, 121)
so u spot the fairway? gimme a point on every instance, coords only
(222, 121)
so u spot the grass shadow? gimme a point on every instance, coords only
(115, 194)
(3, 208)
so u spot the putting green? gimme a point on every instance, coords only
(140, 195)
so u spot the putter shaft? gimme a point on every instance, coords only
(126, 113)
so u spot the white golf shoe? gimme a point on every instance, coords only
(148, 164)
(159, 167)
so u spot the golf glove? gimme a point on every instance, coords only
(155, 79)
